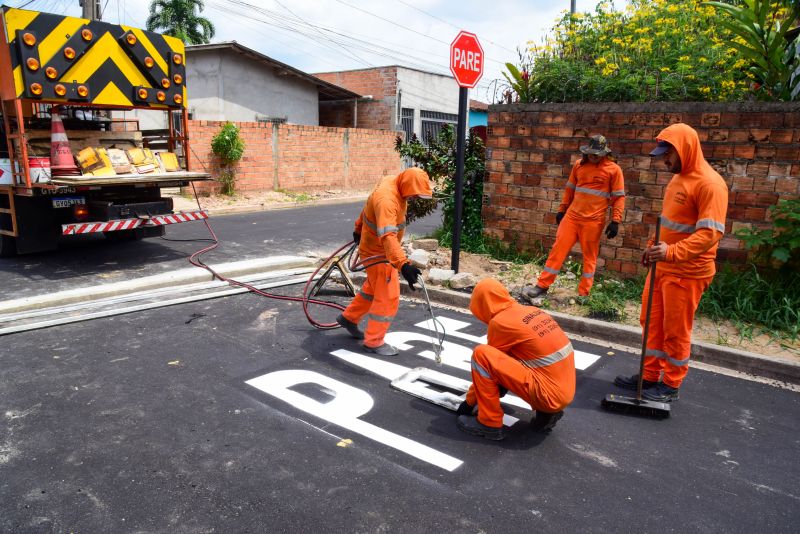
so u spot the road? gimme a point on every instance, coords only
(234, 415)
(88, 260)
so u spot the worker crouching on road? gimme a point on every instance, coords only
(527, 353)
(594, 183)
(692, 224)
(379, 231)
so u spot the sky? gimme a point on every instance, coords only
(331, 35)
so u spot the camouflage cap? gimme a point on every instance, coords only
(598, 146)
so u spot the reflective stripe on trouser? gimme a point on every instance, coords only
(669, 341)
(490, 367)
(378, 299)
(569, 232)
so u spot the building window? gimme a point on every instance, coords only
(433, 122)
(407, 122)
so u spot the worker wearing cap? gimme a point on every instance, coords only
(526, 353)
(379, 231)
(594, 183)
(692, 224)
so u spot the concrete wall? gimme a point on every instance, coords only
(298, 157)
(531, 148)
(226, 85)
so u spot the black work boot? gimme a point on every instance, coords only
(544, 422)
(471, 425)
(351, 327)
(533, 292)
(661, 393)
(632, 382)
(466, 409)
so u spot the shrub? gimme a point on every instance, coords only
(656, 50)
(778, 245)
(229, 147)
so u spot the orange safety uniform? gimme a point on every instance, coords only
(692, 224)
(527, 353)
(590, 189)
(381, 224)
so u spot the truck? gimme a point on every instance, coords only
(64, 82)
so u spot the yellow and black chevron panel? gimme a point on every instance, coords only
(67, 59)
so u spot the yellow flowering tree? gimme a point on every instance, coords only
(654, 50)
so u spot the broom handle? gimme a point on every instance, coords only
(647, 314)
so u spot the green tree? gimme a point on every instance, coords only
(181, 19)
(654, 50)
(759, 28)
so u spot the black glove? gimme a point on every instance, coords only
(612, 229)
(356, 238)
(410, 273)
(464, 409)
(559, 216)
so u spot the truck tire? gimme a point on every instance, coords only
(8, 246)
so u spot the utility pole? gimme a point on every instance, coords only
(91, 9)
(572, 6)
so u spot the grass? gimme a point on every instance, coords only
(296, 196)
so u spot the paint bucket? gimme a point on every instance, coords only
(40, 170)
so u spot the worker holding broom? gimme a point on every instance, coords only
(378, 232)
(526, 353)
(594, 183)
(692, 224)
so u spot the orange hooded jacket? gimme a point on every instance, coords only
(382, 222)
(694, 208)
(591, 188)
(530, 335)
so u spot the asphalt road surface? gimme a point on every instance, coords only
(234, 415)
(90, 259)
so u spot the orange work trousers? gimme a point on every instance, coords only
(378, 299)
(569, 232)
(492, 367)
(669, 340)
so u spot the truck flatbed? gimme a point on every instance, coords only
(127, 179)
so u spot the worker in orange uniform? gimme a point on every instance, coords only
(594, 183)
(692, 224)
(379, 231)
(526, 353)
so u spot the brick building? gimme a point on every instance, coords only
(393, 98)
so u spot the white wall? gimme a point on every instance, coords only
(426, 91)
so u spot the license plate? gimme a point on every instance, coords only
(66, 202)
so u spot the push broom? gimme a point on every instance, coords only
(637, 405)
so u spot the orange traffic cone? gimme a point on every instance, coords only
(61, 161)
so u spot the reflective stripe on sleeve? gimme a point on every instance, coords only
(385, 230)
(594, 192)
(570, 185)
(365, 296)
(710, 223)
(618, 193)
(678, 227)
(550, 359)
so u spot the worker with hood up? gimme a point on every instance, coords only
(692, 224)
(526, 353)
(379, 231)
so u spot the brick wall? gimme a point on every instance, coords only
(304, 157)
(379, 83)
(531, 149)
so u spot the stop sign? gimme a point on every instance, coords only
(466, 59)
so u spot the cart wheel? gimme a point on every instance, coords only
(8, 246)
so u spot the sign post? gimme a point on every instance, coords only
(466, 64)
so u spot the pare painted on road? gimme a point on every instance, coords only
(347, 404)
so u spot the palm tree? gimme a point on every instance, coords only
(181, 19)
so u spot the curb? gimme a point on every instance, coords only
(729, 358)
(189, 275)
(190, 205)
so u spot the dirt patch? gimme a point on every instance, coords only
(246, 201)
(562, 297)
